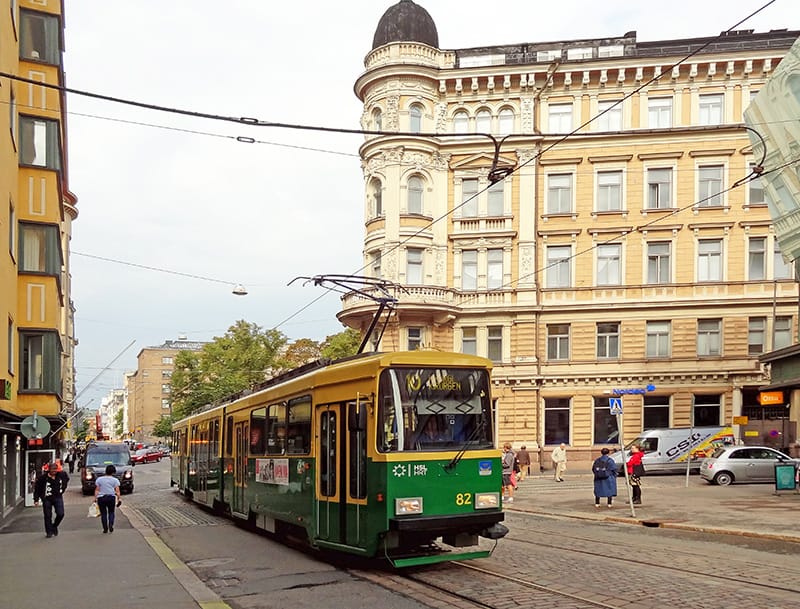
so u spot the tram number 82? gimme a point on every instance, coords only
(464, 499)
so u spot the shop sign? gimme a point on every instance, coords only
(740, 420)
(770, 398)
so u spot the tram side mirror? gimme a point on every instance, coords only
(357, 416)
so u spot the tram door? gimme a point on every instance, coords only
(200, 447)
(183, 459)
(242, 439)
(331, 501)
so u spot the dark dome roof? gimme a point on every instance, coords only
(406, 22)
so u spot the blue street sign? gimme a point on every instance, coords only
(615, 404)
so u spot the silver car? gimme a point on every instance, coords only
(736, 464)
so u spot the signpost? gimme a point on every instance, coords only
(615, 406)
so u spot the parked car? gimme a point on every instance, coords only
(146, 455)
(738, 464)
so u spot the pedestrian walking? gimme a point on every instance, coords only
(70, 459)
(508, 470)
(559, 458)
(49, 489)
(106, 494)
(524, 460)
(605, 478)
(634, 466)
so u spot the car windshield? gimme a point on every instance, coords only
(718, 452)
(423, 409)
(102, 457)
(142, 451)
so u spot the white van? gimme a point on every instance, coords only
(666, 450)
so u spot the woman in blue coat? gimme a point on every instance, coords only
(605, 478)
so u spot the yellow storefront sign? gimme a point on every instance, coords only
(740, 420)
(751, 434)
(769, 398)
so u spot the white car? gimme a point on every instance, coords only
(737, 464)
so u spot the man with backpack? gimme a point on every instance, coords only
(605, 478)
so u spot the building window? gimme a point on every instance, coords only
(40, 248)
(10, 350)
(559, 118)
(558, 266)
(469, 270)
(756, 258)
(39, 143)
(756, 335)
(556, 420)
(469, 341)
(659, 112)
(557, 342)
(782, 333)
(559, 193)
(505, 121)
(415, 190)
(165, 388)
(165, 403)
(655, 413)
(709, 337)
(376, 193)
(609, 116)
(711, 109)
(41, 362)
(659, 188)
(375, 264)
(494, 343)
(414, 339)
(469, 198)
(550, 55)
(167, 360)
(658, 339)
(579, 53)
(605, 424)
(612, 50)
(608, 264)
(483, 122)
(755, 190)
(782, 269)
(414, 266)
(709, 186)
(658, 262)
(709, 260)
(39, 37)
(609, 191)
(707, 410)
(608, 340)
(496, 195)
(415, 118)
(460, 122)
(377, 119)
(494, 269)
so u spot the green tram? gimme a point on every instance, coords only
(378, 455)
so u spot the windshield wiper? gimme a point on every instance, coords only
(460, 454)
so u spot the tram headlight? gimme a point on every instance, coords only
(486, 501)
(408, 505)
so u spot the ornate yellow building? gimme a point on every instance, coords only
(623, 255)
(36, 213)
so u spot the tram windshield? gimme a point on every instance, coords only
(429, 409)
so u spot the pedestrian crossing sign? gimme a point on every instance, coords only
(615, 404)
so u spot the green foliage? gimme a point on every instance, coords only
(162, 428)
(340, 345)
(244, 356)
(83, 430)
(118, 430)
(301, 351)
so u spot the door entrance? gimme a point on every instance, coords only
(242, 442)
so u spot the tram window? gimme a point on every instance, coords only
(298, 433)
(356, 427)
(276, 429)
(229, 436)
(258, 419)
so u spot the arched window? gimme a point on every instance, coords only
(483, 122)
(460, 122)
(415, 190)
(506, 121)
(377, 120)
(376, 194)
(415, 118)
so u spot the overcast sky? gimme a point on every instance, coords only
(179, 193)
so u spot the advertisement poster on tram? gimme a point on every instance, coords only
(35, 460)
(272, 471)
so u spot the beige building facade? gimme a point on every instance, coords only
(609, 245)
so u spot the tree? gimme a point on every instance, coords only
(340, 345)
(118, 430)
(162, 428)
(244, 356)
(301, 351)
(83, 430)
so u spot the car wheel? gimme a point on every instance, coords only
(723, 478)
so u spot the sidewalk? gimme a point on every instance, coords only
(752, 510)
(82, 567)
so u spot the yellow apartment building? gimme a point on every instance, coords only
(36, 213)
(605, 243)
(149, 387)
